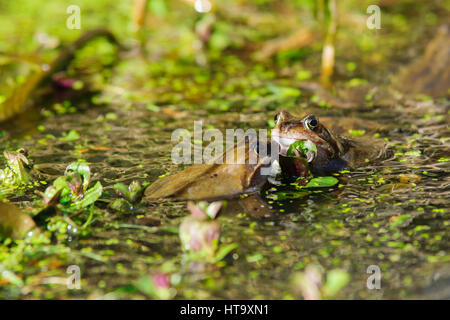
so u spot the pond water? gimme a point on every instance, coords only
(391, 214)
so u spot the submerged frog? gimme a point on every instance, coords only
(332, 152)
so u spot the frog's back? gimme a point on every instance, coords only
(363, 150)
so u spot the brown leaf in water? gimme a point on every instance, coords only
(100, 148)
(82, 150)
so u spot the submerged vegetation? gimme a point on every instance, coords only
(80, 149)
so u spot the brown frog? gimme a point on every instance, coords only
(212, 180)
(334, 152)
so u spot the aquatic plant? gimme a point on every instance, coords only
(51, 196)
(71, 192)
(299, 150)
(328, 51)
(16, 172)
(129, 195)
(200, 233)
(156, 286)
(133, 193)
(312, 285)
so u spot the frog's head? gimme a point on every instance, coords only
(289, 129)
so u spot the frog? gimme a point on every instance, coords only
(332, 153)
(217, 181)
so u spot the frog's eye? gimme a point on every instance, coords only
(311, 123)
(275, 118)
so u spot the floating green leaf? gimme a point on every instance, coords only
(280, 196)
(357, 132)
(322, 182)
(72, 135)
